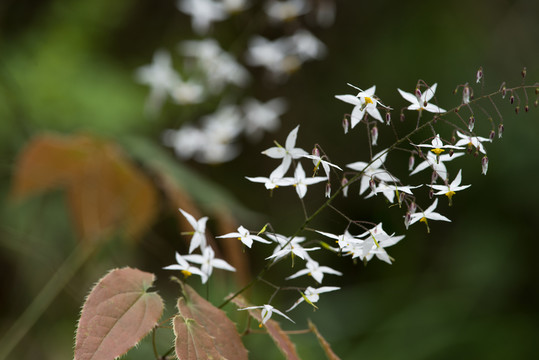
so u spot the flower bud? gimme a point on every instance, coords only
(471, 123)
(412, 207)
(504, 91)
(537, 91)
(344, 181)
(372, 185)
(407, 219)
(479, 75)
(512, 99)
(328, 189)
(451, 152)
(536, 103)
(431, 194)
(517, 109)
(402, 116)
(417, 93)
(457, 109)
(453, 139)
(345, 124)
(484, 165)
(434, 177)
(402, 195)
(523, 73)
(374, 135)
(315, 152)
(411, 162)
(526, 108)
(500, 131)
(388, 118)
(466, 94)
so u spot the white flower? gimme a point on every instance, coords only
(376, 242)
(344, 241)
(306, 46)
(288, 152)
(203, 13)
(312, 295)
(199, 235)
(285, 10)
(472, 140)
(313, 268)
(422, 103)
(286, 246)
(262, 116)
(450, 189)
(186, 141)
(427, 214)
(436, 163)
(301, 182)
(267, 311)
(373, 170)
(275, 179)
(276, 56)
(389, 190)
(317, 161)
(161, 78)
(245, 237)
(363, 102)
(437, 146)
(186, 268)
(208, 262)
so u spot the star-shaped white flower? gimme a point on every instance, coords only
(267, 311)
(344, 240)
(437, 146)
(422, 102)
(203, 13)
(472, 140)
(199, 234)
(363, 102)
(301, 182)
(286, 246)
(436, 163)
(261, 117)
(312, 295)
(286, 10)
(313, 268)
(390, 190)
(373, 170)
(186, 268)
(427, 214)
(317, 161)
(275, 179)
(208, 261)
(288, 152)
(450, 189)
(245, 237)
(376, 242)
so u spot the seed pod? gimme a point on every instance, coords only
(526, 108)
(512, 99)
(402, 118)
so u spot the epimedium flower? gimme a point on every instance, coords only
(364, 101)
(301, 182)
(287, 10)
(313, 268)
(208, 261)
(450, 189)
(437, 146)
(427, 214)
(390, 190)
(371, 170)
(203, 13)
(262, 116)
(344, 240)
(436, 163)
(317, 161)
(267, 311)
(275, 179)
(288, 246)
(187, 269)
(245, 237)
(475, 141)
(376, 242)
(312, 295)
(422, 102)
(199, 234)
(288, 152)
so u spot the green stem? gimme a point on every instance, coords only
(42, 301)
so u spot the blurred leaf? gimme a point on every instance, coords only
(105, 190)
(117, 314)
(208, 194)
(325, 345)
(281, 339)
(204, 331)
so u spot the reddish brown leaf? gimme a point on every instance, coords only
(325, 345)
(106, 192)
(281, 339)
(117, 314)
(204, 331)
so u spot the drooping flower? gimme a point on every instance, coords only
(313, 268)
(199, 234)
(364, 101)
(450, 189)
(312, 295)
(288, 152)
(267, 311)
(301, 182)
(427, 214)
(187, 269)
(422, 102)
(245, 237)
(208, 261)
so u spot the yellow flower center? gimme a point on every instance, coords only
(186, 273)
(437, 151)
(368, 100)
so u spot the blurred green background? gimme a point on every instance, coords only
(468, 289)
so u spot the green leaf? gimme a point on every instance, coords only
(203, 331)
(117, 314)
